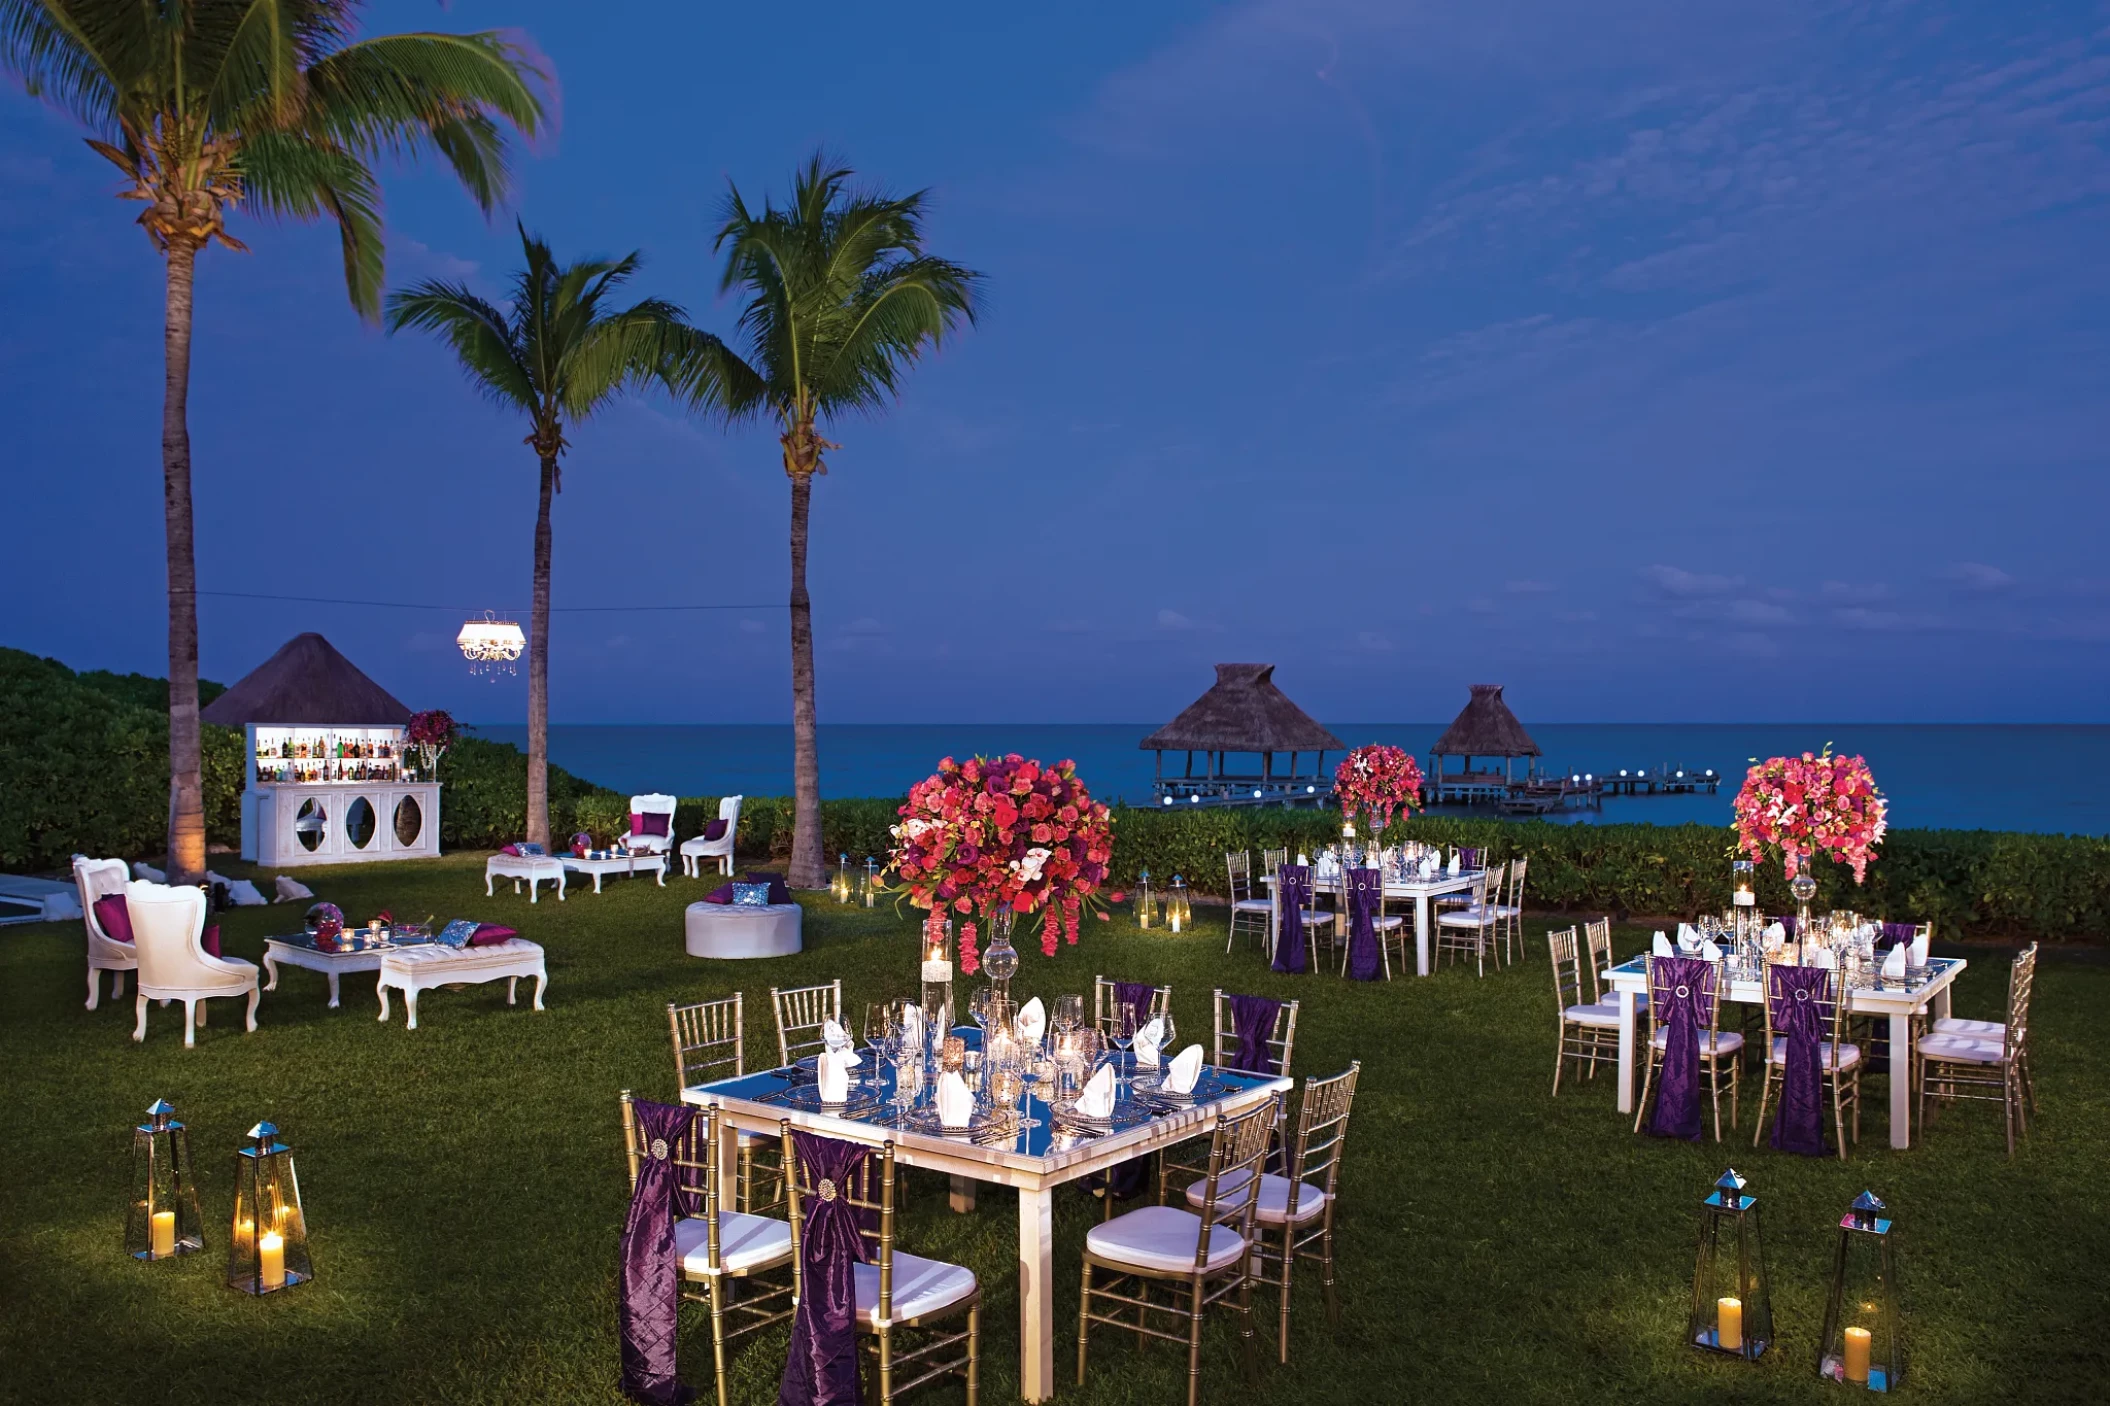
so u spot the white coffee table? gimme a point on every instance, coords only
(618, 864)
(285, 952)
(414, 969)
(536, 869)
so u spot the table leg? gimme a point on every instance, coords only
(661, 868)
(1036, 1294)
(1421, 934)
(596, 881)
(271, 966)
(962, 1195)
(1901, 1079)
(1626, 1051)
(333, 988)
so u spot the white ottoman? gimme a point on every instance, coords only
(730, 930)
(535, 868)
(414, 969)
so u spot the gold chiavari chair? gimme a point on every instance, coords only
(1510, 909)
(1468, 858)
(710, 1043)
(1105, 1004)
(896, 1290)
(1718, 1047)
(1589, 1030)
(1985, 1061)
(1473, 928)
(1189, 1159)
(1299, 1209)
(1838, 1062)
(1597, 941)
(1150, 1246)
(2026, 963)
(1248, 913)
(1273, 859)
(801, 1012)
(734, 1257)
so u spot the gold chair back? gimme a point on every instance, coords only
(1238, 864)
(801, 1011)
(1597, 940)
(1567, 970)
(1322, 1134)
(1282, 1042)
(1104, 1003)
(1237, 1157)
(709, 1040)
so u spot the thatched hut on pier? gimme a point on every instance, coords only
(1485, 729)
(1243, 713)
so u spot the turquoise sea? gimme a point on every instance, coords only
(2047, 778)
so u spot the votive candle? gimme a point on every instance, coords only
(1729, 1324)
(163, 1238)
(1858, 1342)
(271, 1260)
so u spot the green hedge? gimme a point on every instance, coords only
(483, 797)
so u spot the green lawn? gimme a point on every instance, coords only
(464, 1183)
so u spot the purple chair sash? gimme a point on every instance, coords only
(1801, 1009)
(1135, 997)
(650, 1286)
(821, 1367)
(1681, 991)
(1293, 882)
(1365, 888)
(1468, 858)
(1891, 934)
(1253, 1018)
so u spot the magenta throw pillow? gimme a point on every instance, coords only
(491, 934)
(113, 917)
(721, 894)
(648, 822)
(211, 941)
(715, 830)
(778, 893)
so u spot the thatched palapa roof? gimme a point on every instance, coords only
(1486, 729)
(307, 681)
(1243, 712)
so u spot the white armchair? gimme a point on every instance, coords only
(654, 803)
(168, 928)
(98, 878)
(720, 849)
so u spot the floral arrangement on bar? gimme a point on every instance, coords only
(1003, 833)
(432, 732)
(1375, 781)
(1811, 803)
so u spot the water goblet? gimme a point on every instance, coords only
(1069, 1013)
(1124, 1036)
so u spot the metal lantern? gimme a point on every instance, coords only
(270, 1233)
(1146, 903)
(162, 1221)
(1864, 1341)
(1732, 1306)
(871, 890)
(840, 884)
(1179, 912)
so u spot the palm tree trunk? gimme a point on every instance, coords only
(807, 870)
(538, 671)
(186, 833)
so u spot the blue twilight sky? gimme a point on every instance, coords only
(1663, 359)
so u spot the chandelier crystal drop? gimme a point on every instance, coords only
(491, 645)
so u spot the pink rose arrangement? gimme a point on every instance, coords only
(1375, 781)
(1810, 803)
(432, 733)
(1003, 833)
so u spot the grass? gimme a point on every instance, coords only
(464, 1183)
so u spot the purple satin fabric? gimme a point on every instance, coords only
(649, 1291)
(1891, 934)
(1365, 888)
(1294, 882)
(1135, 997)
(1468, 858)
(1787, 923)
(821, 1367)
(1801, 1010)
(1681, 991)
(1253, 1018)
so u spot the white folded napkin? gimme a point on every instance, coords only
(838, 1042)
(1097, 1100)
(1147, 1041)
(955, 1104)
(1301, 860)
(1186, 1067)
(1709, 951)
(1776, 934)
(1456, 860)
(1688, 936)
(1032, 1021)
(1920, 943)
(1824, 957)
(1894, 964)
(1662, 948)
(833, 1069)
(912, 1021)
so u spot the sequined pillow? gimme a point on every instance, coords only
(751, 895)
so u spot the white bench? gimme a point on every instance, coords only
(414, 969)
(535, 868)
(735, 930)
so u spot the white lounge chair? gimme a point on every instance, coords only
(168, 928)
(99, 878)
(720, 849)
(653, 803)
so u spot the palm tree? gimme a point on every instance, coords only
(557, 354)
(207, 104)
(841, 301)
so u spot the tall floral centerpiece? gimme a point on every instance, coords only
(432, 733)
(994, 837)
(1373, 782)
(1811, 804)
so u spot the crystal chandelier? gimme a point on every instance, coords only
(491, 645)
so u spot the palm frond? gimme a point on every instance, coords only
(297, 179)
(484, 342)
(45, 49)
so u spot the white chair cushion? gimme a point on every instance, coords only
(744, 1242)
(1388, 922)
(1606, 1015)
(1274, 1197)
(1467, 917)
(1847, 1055)
(1976, 1029)
(1252, 905)
(1163, 1238)
(1963, 1049)
(1505, 910)
(1711, 1041)
(921, 1287)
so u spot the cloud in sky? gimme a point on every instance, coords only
(1977, 576)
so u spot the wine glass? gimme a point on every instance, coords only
(1069, 1013)
(1124, 1036)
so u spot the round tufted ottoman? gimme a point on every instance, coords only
(730, 930)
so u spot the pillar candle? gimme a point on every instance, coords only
(1175, 921)
(164, 1238)
(1858, 1341)
(1729, 1324)
(271, 1259)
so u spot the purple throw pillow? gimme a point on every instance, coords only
(715, 830)
(113, 917)
(648, 822)
(491, 934)
(778, 893)
(721, 894)
(211, 941)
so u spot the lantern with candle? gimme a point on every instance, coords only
(1732, 1307)
(1146, 902)
(1863, 1343)
(839, 886)
(162, 1222)
(270, 1235)
(1179, 912)
(937, 968)
(871, 888)
(1743, 884)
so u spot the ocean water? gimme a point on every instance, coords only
(2042, 778)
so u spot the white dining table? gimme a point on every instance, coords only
(1422, 891)
(1630, 978)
